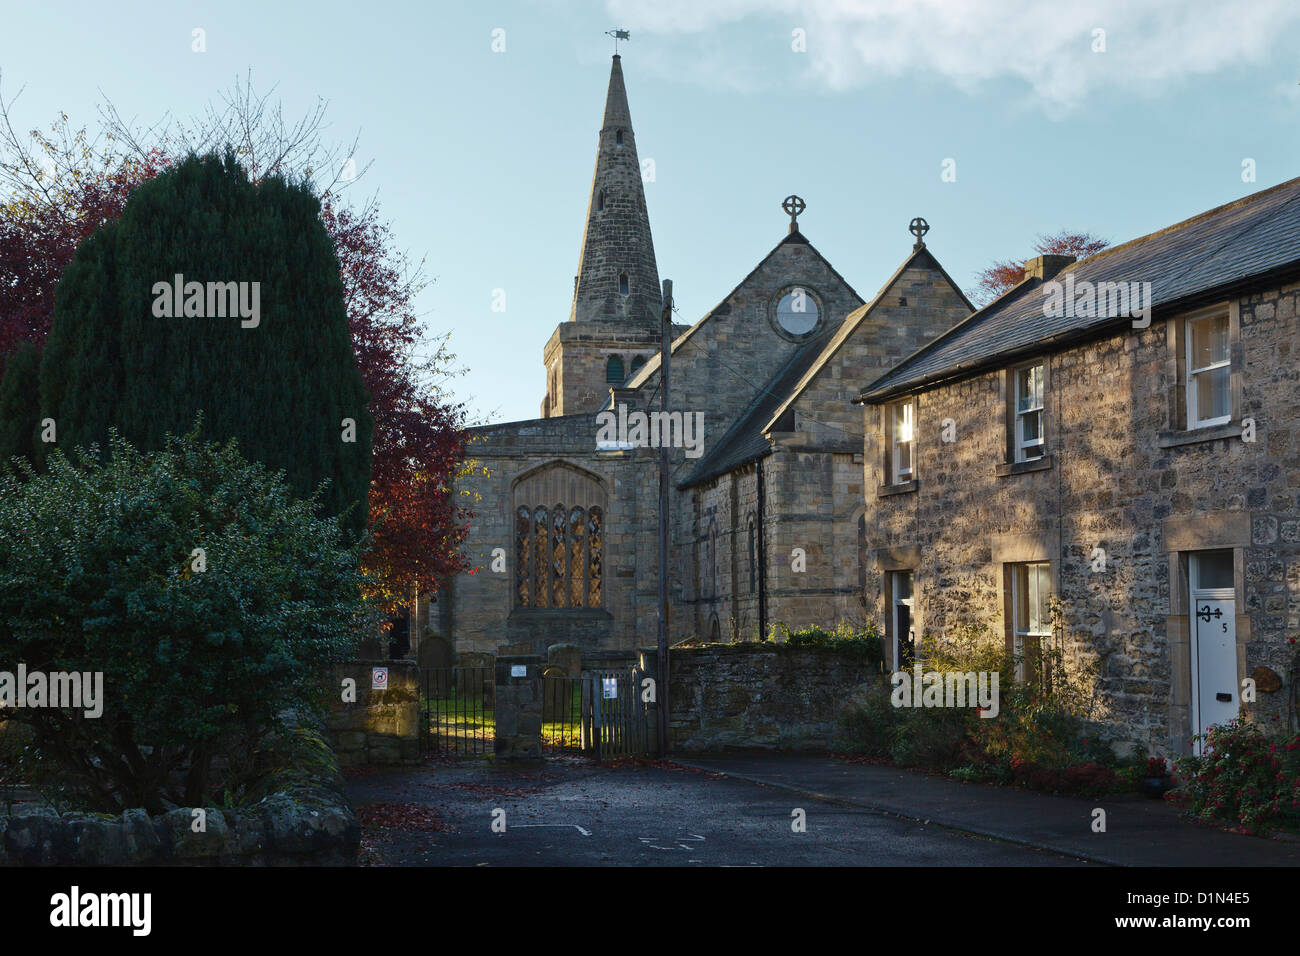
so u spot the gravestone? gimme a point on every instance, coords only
(566, 657)
(435, 660)
(557, 695)
(473, 679)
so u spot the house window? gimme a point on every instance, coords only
(1031, 593)
(614, 370)
(1208, 372)
(1029, 413)
(902, 603)
(902, 450)
(623, 287)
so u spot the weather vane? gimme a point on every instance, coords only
(618, 35)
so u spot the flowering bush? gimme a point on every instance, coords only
(1245, 778)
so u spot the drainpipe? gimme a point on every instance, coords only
(762, 553)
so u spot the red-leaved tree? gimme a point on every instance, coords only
(1007, 274)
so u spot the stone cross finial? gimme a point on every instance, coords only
(794, 205)
(918, 227)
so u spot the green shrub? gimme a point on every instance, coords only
(864, 642)
(99, 573)
(1041, 737)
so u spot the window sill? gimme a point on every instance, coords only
(1020, 467)
(524, 615)
(903, 488)
(1192, 436)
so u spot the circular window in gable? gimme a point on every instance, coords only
(798, 313)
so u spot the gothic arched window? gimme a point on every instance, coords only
(600, 201)
(637, 362)
(618, 137)
(559, 548)
(624, 288)
(614, 374)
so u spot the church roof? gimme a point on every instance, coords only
(1215, 253)
(745, 440)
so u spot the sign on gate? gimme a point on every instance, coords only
(610, 688)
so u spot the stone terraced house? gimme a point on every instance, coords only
(564, 541)
(1145, 470)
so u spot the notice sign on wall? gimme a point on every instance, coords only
(610, 687)
(379, 678)
(518, 670)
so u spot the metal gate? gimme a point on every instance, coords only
(566, 714)
(599, 714)
(457, 710)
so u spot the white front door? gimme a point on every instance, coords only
(1215, 693)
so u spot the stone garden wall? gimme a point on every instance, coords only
(303, 819)
(761, 695)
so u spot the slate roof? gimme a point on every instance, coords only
(744, 440)
(1229, 245)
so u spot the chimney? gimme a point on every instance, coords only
(1045, 267)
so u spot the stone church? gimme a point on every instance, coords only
(767, 512)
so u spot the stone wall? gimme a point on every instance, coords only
(380, 727)
(1122, 477)
(304, 820)
(760, 695)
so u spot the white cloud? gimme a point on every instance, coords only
(1048, 47)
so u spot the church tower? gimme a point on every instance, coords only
(613, 324)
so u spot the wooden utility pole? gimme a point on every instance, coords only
(665, 359)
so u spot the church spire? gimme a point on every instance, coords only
(617, 275)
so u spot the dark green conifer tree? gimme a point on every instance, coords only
(18, 403)
(282, 387)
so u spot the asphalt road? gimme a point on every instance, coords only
(569, 812)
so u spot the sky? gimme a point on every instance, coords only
(1114, 118)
